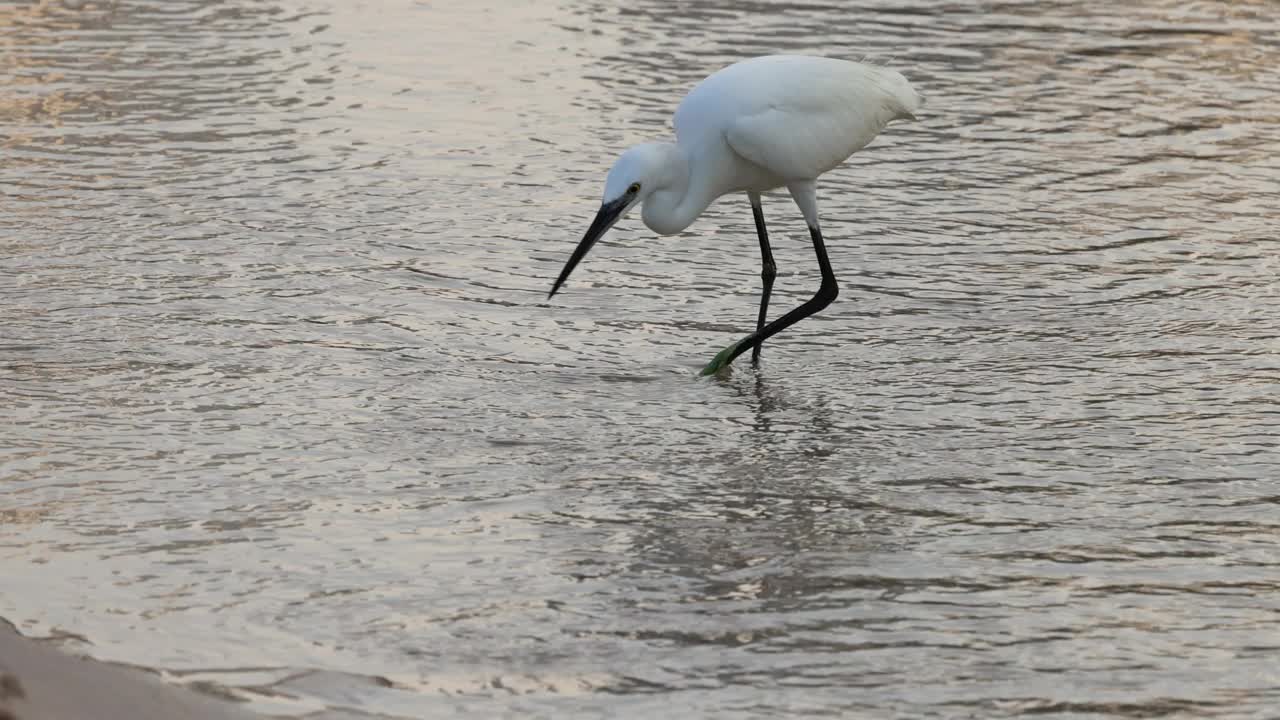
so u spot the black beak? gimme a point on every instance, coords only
(608, 215)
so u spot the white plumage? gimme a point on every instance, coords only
(795, 116)
(760, 124)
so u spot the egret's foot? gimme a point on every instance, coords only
(721, 360)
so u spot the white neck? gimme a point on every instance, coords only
(679, 198)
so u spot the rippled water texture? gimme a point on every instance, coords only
(286, 409)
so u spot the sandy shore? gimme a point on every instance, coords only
(38, 682)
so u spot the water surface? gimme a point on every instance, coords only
(287, 410)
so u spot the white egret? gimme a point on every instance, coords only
(757, 125)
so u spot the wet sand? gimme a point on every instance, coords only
(38, 682)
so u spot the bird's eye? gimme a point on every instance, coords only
(635, 188)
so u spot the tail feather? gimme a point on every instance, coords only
(901, 98)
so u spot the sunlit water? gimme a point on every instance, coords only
(286, 410)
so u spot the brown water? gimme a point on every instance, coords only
(286, 409)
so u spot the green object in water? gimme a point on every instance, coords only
(721, 360)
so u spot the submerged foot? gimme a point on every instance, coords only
(722, 359)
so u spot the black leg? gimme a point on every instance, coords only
(826, 293)
(768, 270)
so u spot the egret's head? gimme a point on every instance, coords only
(635, 174)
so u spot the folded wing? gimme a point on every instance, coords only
(816, 112)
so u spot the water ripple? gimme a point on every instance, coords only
(289, 412)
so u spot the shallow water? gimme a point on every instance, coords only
(288, 412)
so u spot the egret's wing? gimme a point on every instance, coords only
(809, 125)
(790, 144)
